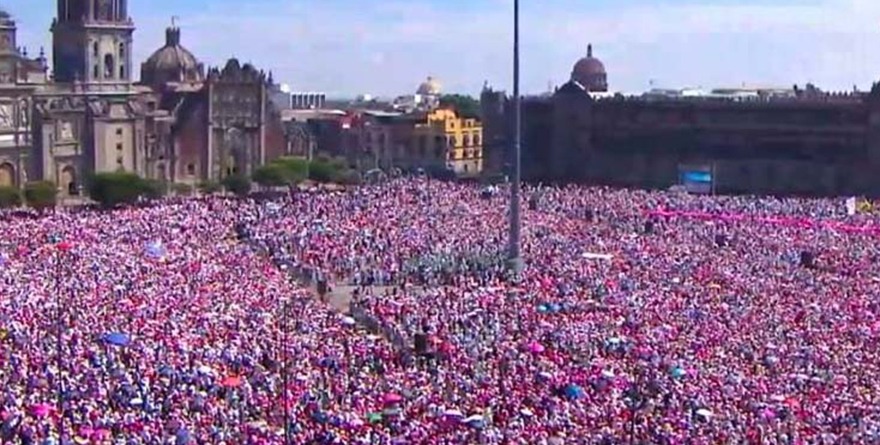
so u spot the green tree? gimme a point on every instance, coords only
(40, 194)
(297, 168)
(272, 175)
(209, 187)
(117, 188)
(180, 189)
(321, 170)
(238, 184)
(466, 106)
(9, 197)
(154, 189)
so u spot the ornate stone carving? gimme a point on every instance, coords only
(7, 114)
(65, 131)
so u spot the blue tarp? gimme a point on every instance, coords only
(116, 339)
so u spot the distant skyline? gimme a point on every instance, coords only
(387, 47)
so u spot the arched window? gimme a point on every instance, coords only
(95, 49)
(121, 51)
(109, 65)
(122, 72)
(95, 71)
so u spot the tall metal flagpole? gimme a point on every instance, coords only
(514, 257)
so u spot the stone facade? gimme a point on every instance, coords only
(179, 124)
(808, 142)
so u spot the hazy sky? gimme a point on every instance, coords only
(387, 47)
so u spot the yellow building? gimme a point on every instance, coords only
(463, 139)
(438, 139)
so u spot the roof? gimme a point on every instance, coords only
(172, 62)
(302, 115)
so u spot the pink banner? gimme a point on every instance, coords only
(785, 221)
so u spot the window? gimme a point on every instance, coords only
(95, 49)
(119, 131)
(119, 147)
(119, 161)
(108, 66)
(95, 72)
(190, 169)
(476, 139)
(121, 51)
(122, 71)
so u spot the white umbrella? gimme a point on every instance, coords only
(453, 413)
(348, 321)
(703, 412)
(474, 418)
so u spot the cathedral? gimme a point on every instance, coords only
(179, 123)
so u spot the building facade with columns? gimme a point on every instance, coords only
(180, 123)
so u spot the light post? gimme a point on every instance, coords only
(514, 257)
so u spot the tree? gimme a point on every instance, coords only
(271, 175)
(116, 188)
(9, 197)
(321, 170)
(209, 187)
(40, 194)
(238, 184)
(296, 168)
(465, 106)
(327, 170)
(154, 189)
(181, 189)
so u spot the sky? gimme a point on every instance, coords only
(388, 47)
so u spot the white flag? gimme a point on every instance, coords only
(851, 205)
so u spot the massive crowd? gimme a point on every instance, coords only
(641, 317)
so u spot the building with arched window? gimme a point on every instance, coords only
(180, 122)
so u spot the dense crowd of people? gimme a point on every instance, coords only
(641, 317)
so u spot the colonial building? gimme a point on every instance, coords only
(437, 140)
(181, 122)
(796, 141)
(20, 76)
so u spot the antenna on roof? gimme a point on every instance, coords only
(174, 20)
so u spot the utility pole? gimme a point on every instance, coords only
(514, 257)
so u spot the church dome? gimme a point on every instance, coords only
(5, 18)
(590, 73)
(171, 63)
(430, 87)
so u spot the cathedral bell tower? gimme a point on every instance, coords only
(92, 42)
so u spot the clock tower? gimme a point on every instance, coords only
(92, 42)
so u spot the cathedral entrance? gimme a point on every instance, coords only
(7, 175)
(68, 181)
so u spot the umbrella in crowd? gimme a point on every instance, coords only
(116, 339)
(660, 337)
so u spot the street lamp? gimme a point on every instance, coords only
(514, 258)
